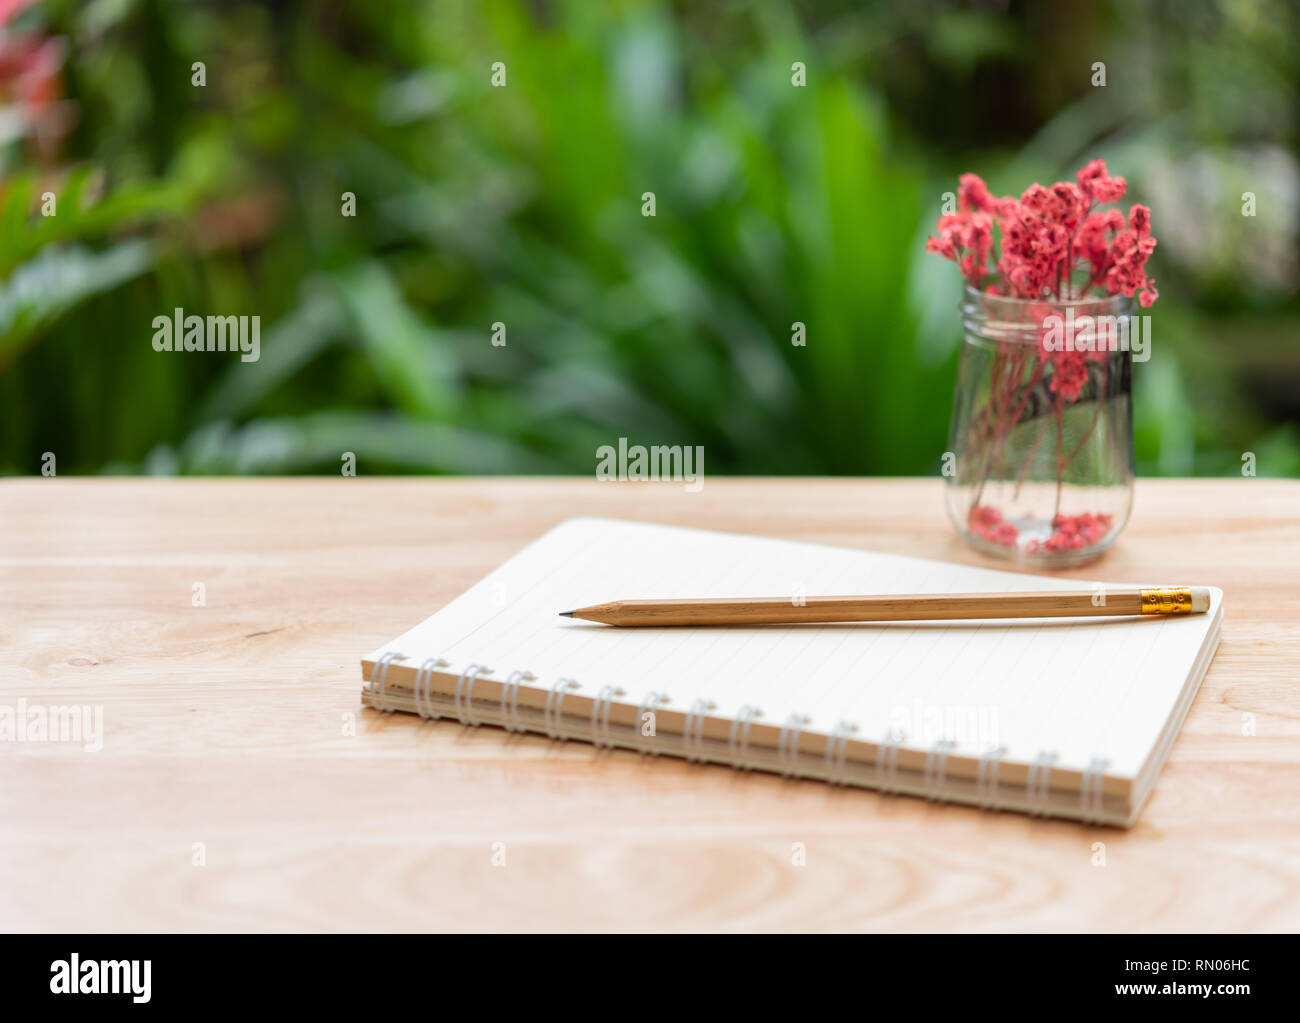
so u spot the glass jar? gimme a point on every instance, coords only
(1040, 454)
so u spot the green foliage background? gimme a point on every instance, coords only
(522, 204)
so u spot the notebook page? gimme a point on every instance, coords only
(1081, 689)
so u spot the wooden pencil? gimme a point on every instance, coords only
(913, 607)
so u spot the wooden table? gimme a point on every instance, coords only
(240, 785)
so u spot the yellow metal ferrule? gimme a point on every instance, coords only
(1167, 602)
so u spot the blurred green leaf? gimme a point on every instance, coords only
(415, 370)
(475, 205)
(57, 280)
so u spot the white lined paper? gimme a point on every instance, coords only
(1083, 688)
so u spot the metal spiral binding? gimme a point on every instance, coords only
(649, 702)
(1090, 790)
(554, 713)
(836, 748)
(693, 730)
(465, 708)
(510, 699)
(378, 680)
(740, 727)
(1037, 782)
(600, 716)
(936, 766)
(887, 760)
(787, 744)
(420, 689)
(986, 777)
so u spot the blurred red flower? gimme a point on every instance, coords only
(30, 84)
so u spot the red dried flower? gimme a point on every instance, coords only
(973, 194)
(966, 237)
(1098, 185)
(1072, 532)
(1071, 372)
(987, 522)
(1130, 250)
(1047, 235)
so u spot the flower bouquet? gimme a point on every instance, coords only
(1041, 448)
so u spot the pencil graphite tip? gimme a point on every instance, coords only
(566, 614)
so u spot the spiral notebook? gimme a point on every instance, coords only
(1062, 717)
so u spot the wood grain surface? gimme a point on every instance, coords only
(241, 787)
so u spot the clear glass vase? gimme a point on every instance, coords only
(1041, 441)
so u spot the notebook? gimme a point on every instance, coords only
(1062, 717)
